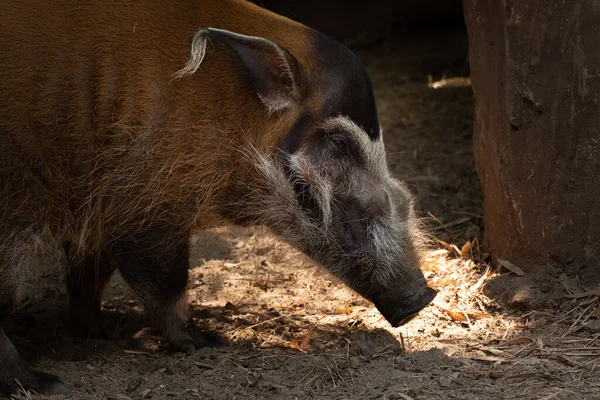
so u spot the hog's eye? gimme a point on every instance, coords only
(339, 143)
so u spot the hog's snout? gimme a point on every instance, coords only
(399, 311)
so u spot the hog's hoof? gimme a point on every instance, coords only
(50, 385)
(17, 378)
(38, 382)
(190, 337)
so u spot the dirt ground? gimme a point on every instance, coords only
(293, 332)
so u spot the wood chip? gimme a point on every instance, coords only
(494, 351)
(481, 280)
(489, 358)
(511, 267)
(517, 341)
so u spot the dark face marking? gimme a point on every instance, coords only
(342, 86)
(345, 85)
(293, 139)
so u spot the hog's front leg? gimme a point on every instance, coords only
(87, 277)
(155, 263)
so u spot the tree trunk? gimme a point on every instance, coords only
(535, 69)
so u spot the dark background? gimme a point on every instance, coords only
(365, 23)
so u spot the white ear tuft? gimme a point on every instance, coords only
(196, 55)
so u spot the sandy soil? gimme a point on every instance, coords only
(293, 332)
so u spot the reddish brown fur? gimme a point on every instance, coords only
(139, 127)
(102, 147)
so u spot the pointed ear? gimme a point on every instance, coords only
(274, 73)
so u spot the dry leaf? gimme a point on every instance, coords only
(294, 343)
(465, 251)
(511, 267)
(456, 315)
(451, 247)
(464, 315)
(348, 310)
(304, 343)
(478, 315)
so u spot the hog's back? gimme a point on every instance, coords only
(91, 116)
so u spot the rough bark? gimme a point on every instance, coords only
(535, 68)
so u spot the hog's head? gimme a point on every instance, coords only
(327, 189)
(356, 219)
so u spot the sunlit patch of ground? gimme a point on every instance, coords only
(464, 342)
